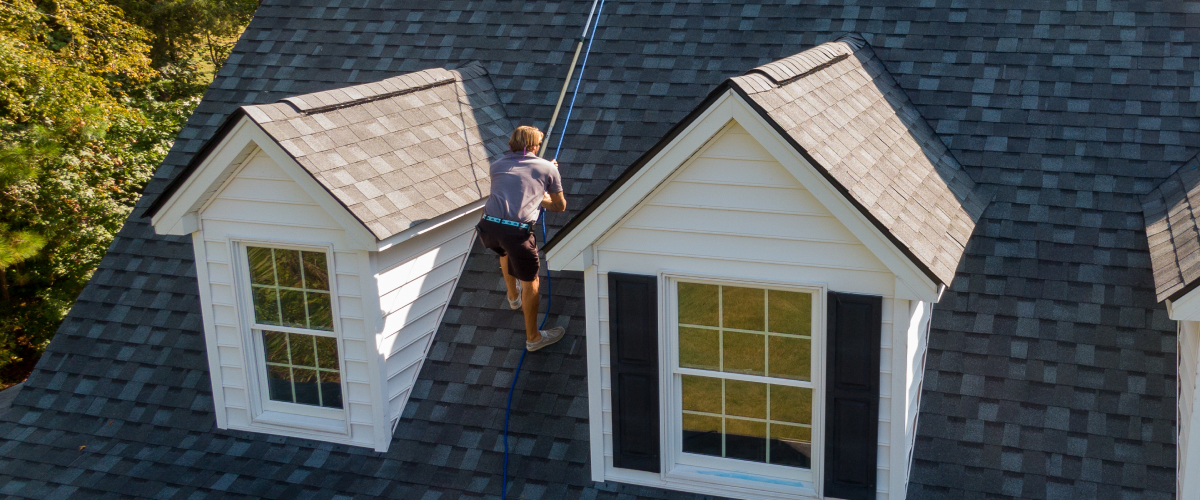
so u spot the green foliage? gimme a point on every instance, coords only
(183, 29)
(86, 115)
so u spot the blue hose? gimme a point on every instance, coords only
(517, 374)
(549, 283)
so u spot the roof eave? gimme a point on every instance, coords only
(637, 165)
(197, 159)
(903, 248)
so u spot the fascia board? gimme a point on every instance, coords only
(432, 224)
(915, 280)
(355, 230)
(178, 214)
(1187, 308)
(566, 254)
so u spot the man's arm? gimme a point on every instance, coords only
(554, 202)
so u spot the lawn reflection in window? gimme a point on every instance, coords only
(302, 369)
(291, 288)
(761, 333)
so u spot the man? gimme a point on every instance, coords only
(521, 182)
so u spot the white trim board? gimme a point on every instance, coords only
(912, 283)
(181, 213)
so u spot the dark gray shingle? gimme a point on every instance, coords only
(1065, 230)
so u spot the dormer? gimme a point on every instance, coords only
(759, 285)
(1172, 217)
(329, 232)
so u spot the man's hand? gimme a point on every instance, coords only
(554, 202)
(555, 163)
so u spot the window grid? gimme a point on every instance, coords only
(310, 285)
(722, 374)
(766, 334)
(277, 288)
(316, 367)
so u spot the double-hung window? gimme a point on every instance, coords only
(742, 378)
(292, 326)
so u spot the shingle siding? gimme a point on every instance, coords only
(1051, 365)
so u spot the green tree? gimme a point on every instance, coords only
(190, 32)
(83, 124)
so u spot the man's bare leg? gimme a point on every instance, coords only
(509, 281)
(529, 302)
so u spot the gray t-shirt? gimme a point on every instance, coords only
(519, 183)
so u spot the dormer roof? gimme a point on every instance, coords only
(1172, 215)
(394, 152)
(839, 107)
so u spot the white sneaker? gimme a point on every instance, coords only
(515, 304)
(548, 337)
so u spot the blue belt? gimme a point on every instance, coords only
(506, 222)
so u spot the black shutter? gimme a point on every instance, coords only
(633, 332)
(852, 395)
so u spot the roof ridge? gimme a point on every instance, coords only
(788, 70)
(328, 100)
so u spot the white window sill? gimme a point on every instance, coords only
(274, 420)
(707, 481)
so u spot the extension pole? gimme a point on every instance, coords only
(567, 82)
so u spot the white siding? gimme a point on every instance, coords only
(261, 202)
(415, 281)
(1188, 471)
(733, 211)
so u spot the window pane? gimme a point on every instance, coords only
(320, 311)
(331, 389)
(698, 304)
(262, 271)
(316, 273)
(302, 350)
(791, 404)
(743, 353)
(745, 399)
(790, 312)
(327, 353)
(275, 345)
(306, 386)
(746, 439)
(702, 394)
(743, 308)
(293, 308)
(279, 383)
(789, 357)
(702, 434)
(266, 305)
(791, 445)
(699, 348)
(287, 268)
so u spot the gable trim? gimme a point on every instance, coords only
(602, 201)
(180, 212)
(919, 282)
(882, 229)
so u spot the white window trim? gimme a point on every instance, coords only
(731, 476)
(276, 414)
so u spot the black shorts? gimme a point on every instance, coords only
(518, 245)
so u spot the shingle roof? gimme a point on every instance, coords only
(1051, 365)
(397, 151)
(838, 102)
(1173, 231)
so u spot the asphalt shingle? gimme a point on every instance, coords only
(843, 108)
(1052, 308)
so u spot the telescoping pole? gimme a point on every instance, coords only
(567, 82)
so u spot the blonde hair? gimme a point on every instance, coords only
(525, 138)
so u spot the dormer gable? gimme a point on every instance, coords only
(772, 264)
(329, 231)
(838, 120)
